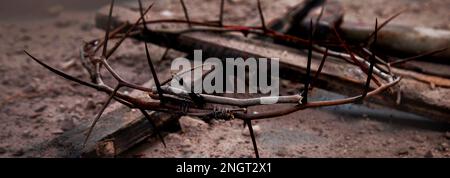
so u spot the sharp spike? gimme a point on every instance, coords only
(319, 18)
(376, 35)
(261, 15)
(142, 16)
(401, 61)
(186, 13)
(252, 134)
(149, 60)
(91, 128)
(308, 67)
(372, 63)
(108, 28)
(150, 120)
(352, 56)
(383, 24)
(121, 81)
(111, 71)
(62, 74)
(319, 70)
(127, 33)
(166, 52)
(222, 6)
(369, 78)
(152, 68)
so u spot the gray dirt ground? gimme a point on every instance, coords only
(36, 106)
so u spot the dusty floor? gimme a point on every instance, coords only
(36, 106)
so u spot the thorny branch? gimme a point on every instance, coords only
(166, 98)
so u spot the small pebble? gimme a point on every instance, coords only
(27, 134)
(41, 108)
(67, 124)
(87, 27)
(390, 141)
(18, 153)
(167, 13)
(429, 154)
(442, 147)
(2, 150)
(283, 152)
(190, 124)
(55, 10)
(256, 131)
(62, 107)
(29, 89)
(25, 38)
(403, 151)
(447, 135)
(90, 105)
(418, 138)
(63, 24)
(57, 132)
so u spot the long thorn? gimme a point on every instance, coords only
(252, 134)
(362, 66)
(73, 79)
(150, 120)
(222, 6)
(152, 68)
(308, 67)
(186, 13)
(108, 28)
(166, 52)
(127, 33)
(91, 128)
(372, 63)
(121, 81)
(62, 74)
(401, 61)
(141, 11)
(261, 15)
(369, 78)
(383, 24)
(111, 35)
(319, 18)
(149, 60)
(319, 70)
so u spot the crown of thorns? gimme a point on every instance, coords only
(163, 99)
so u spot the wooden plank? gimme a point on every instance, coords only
(119, 129)
(417, 97)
